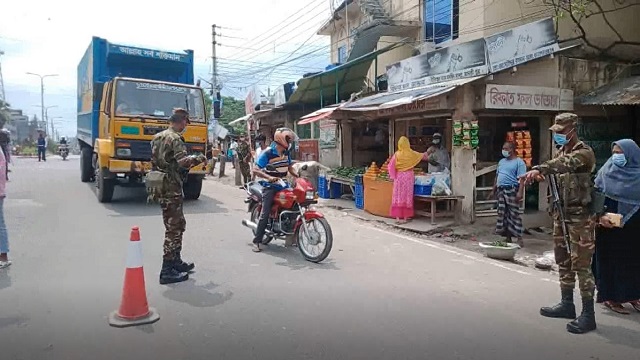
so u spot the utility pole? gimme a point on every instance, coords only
(42, 94)
(3, 97)
(214, 74)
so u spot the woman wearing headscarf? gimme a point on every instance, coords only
(616, 262)
(401, 172)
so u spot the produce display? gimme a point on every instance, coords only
(384, 171)
(522, 140)
(347, 172)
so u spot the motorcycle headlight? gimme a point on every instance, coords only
(310, 195)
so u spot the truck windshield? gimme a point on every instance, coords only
(139, 98)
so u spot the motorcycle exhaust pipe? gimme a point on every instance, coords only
(250, 224)
(253, 226)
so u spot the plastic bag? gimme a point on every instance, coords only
(440, 188)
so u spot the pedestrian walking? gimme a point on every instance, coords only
(170, 164)
(616, 263)
(42, 148)
(5, 144)
(4, 238)
(572, 166)
(509, 194)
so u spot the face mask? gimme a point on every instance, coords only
(560, 139)
(619, 160)
(436, 141)
(505, 153)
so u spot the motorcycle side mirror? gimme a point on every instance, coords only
(304, 167)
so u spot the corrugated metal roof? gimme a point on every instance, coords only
(622, 92)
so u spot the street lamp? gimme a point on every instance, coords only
(46, 116)
(42, 89)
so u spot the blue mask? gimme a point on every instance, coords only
(560, 139)
(619, 160)
(505, 153)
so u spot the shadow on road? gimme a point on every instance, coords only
(5, 279)
(294, 260)
(12, 320)
(619, 335)
(133, 202)
(196, 295)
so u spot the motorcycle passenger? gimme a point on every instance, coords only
(273, 164)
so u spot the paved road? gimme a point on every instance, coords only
(379, 296)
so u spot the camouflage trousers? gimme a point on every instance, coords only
(581, 235)
(174, 224)
(245, 170)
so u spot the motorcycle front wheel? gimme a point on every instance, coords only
(315, 239)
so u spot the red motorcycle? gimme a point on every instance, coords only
(292, 217)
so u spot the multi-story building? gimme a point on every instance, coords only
(505, 65)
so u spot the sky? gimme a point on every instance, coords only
(50, 37)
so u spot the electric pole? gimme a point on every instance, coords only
(3, 98)
(42, 94)
(214, 74)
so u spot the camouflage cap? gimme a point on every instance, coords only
(563, 120)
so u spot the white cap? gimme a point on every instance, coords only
(437, 135)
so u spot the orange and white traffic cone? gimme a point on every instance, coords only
(134, 309)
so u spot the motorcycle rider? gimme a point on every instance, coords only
(63, 141)
(272, 165)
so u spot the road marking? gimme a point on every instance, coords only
(450, 250)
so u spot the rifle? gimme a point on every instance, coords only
(557, 204)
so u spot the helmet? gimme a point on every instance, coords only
(286, 138)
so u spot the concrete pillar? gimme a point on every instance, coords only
(463, 161)
(545, 149)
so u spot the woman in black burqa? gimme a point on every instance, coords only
(616, 262)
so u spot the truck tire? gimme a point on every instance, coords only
(86, 166)
(193, 187)
(104, 187)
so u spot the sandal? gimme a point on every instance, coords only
(5, 264)
(635, 304)
(256, 248)
(619, 308)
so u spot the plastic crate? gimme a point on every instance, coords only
(358, 180)
(358, 190)
(359, 202)
(336, 191)
(323, 189)
(422, 190)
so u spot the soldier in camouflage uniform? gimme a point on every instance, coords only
(244, 159)
(572, 166)
(169, 157)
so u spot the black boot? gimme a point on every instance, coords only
(169, 275)
(180, 265)
(586, 321)
(565, 309)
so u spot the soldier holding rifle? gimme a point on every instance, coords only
(571, 170)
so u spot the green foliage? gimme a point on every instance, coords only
(5, 117)
(231, 110)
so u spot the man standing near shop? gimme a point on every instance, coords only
(169, 157)
(438, 155)
(244, 159)
(572, 166)
(509, 194)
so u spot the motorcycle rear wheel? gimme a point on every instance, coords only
(328, 240)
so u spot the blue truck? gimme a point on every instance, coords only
(125, 96)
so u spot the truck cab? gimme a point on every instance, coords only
(125, 97)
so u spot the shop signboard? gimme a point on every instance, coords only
(279, 96)
(328, 134)
(252, 100)
(528, 98)
(428, 104)
(455, 62)
(521, 44)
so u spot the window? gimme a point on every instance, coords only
(441, 20)
(342, 54)
(304, 131)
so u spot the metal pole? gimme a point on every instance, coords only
(214, 75)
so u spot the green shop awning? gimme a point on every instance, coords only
(342, 80)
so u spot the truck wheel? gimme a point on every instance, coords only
(86, 167)
(192, 188)
(104, 187)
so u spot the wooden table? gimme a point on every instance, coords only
(343, 181)
(451, 202)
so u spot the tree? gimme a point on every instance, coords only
(579, 11)
(231, 110)
(5, 116)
